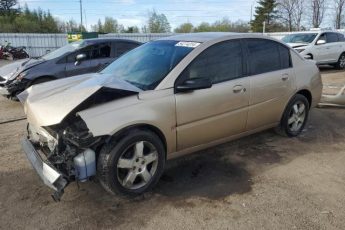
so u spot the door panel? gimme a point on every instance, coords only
(329, 52)
(211, 114)
(82, 68)
(272, 81)
(269, 94)
(207, 115)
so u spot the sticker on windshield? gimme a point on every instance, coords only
(188, 44)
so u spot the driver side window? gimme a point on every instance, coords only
(72, 57)
(220, 62)
(322, 37)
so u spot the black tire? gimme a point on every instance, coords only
(290, 130)
(108, 172)
(341, 62)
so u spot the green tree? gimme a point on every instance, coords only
(265, 12)
(204, 27)
(185, 28)
(7, 7)
(157, 23)
(131, 29)
(110, 25)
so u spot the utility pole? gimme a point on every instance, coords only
(81, 16)
(264, 27)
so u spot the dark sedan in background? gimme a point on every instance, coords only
(85, 56)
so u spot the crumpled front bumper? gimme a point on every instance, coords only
(13, 88)
(49, 175)
(4, 91)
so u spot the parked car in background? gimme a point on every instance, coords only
(85, 56)
(164, 99)
(325, 47)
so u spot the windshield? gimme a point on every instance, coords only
(300, 38)
(63, 50)
(146, 66)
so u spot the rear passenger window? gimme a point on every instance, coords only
(264, 56)
(341, 37)
(285, 58)
(332, 37)
(124, 47)
(220, 62)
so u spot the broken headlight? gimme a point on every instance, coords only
(79, 135)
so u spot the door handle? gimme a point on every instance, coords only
(285, 77)
(239, 89)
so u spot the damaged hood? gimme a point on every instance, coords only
(49, 103)
(10, 71)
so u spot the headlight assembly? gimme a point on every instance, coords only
(21, 76)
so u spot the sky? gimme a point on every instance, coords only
(134, 12)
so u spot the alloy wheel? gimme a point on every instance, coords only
(137, 165)
(342, 62)
(297, 116)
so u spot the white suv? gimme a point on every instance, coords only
(323, 47)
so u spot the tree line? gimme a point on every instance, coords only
(297, 15)
(273, 15)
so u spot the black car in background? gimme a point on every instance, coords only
(85, 56)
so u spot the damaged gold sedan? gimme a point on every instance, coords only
(165, 99)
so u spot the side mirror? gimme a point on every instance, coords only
(194, 84)
(79, 58)
(321, 42)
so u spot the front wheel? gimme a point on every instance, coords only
(341, 62)
(133, 164)
(295, 116)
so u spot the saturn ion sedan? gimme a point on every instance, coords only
(161, 100)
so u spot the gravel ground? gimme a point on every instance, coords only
(263, 181)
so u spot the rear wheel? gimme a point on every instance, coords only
(132, 165)
(341, 62)
(295, 116)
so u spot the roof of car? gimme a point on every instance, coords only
(313, 32)
(200, 37)
(98, 40)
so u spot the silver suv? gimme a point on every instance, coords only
(323, 47)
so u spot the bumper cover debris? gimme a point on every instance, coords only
(49, 175)
(333, 100)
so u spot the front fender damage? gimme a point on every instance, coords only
(64, 139)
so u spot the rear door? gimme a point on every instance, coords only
(271, 79)
(208, 115)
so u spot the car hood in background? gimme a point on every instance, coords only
(10, 71)
(297, 45)
(49, 103)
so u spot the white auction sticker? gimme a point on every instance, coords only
(188, 44)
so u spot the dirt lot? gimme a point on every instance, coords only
(260, 182)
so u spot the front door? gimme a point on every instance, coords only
(101, 56)
(211, 114)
